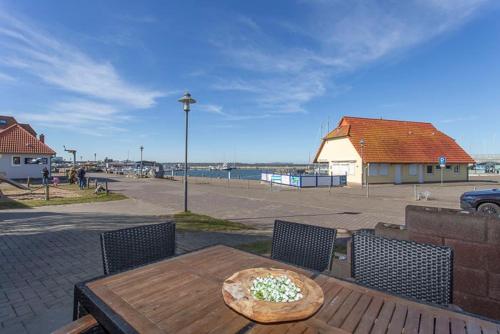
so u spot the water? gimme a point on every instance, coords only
(243, 174)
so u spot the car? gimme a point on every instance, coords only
(485, 201)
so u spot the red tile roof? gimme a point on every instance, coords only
(16, 139)
(390, 141)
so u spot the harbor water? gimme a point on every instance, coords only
(241, 174)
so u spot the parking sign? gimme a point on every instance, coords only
(442, 161)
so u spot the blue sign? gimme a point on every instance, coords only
(442, 161)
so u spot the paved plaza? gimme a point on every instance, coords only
(45, 251)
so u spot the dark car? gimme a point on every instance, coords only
(485, 201)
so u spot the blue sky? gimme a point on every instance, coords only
(104, 76)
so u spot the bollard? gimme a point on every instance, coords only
(106, 186)
(47, 192)
(28, 182)
(415, 193)
(88, 182)
(367, 189)
(96, 183)
(474, 188)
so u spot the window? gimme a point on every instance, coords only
(412, 170)
(35, 161)
(429, 169)
(373, 170)
(456, 169)
(438, 167)
(16, 160)
(383, 169)
(448, 167)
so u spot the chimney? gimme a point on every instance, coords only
(42, 137)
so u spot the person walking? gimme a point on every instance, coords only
(45, 176)
(81, 177)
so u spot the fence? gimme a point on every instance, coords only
(305, 181)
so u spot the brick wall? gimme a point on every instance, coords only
(475, 240)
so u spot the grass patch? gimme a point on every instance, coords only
(261, 247)
(7, 203)
(194, 222)
(84, 196)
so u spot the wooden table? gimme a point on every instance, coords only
(183, 295)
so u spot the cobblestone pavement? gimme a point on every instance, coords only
(43, 255)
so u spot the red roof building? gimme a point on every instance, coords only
(22, 154)
(392, 151)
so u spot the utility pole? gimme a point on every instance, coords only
(142, 149)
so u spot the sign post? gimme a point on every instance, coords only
(442, 164)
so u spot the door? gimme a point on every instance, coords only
(397, 174)
(420, 173)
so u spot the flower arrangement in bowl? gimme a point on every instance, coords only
(280, 289)
(270, 295)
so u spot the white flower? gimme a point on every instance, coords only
(275, 289)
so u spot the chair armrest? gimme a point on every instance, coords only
(78, 326)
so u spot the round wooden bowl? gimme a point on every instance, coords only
(237, 295)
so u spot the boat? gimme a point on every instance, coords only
(225, 166)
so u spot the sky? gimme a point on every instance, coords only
(270, 77)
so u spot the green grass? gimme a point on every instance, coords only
(85, 196)
(262, 247)
(194, 222)
(7, 203)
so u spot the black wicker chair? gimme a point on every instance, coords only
(406, 268)
(131, 247)
(304, 245)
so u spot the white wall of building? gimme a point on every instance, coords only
(342, 158)
(22, 171)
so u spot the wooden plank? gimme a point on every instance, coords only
(339, 317)
(398, 319)
(357, 312)
(329, 309)
(78, 326)
(369, 317)
(426, 323)
(491, 329)
(442, 324)
(473, 327)
(219, 314)
(457, 326)
(384, 317)
(412, 320)
(122, 308)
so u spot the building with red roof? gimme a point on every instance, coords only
(389, 151)
(22, 153)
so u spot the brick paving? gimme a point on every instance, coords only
(42, 257)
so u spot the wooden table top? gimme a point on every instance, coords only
(183, 295)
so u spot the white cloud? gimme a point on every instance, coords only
(25, 48)
(336, 36)
(6, 77)
(104, 97)
(210, 108)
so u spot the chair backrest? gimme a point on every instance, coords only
(130, 247)
(304, 245)
(406, 268)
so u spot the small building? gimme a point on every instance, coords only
(388, 151)
(22, 153)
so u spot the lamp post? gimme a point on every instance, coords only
(186, 100)
(142, 149)
(363, 176)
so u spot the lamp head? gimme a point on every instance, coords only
(186, 101)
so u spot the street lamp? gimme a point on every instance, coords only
(142, 149)
(186, 100)
(363, 176)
